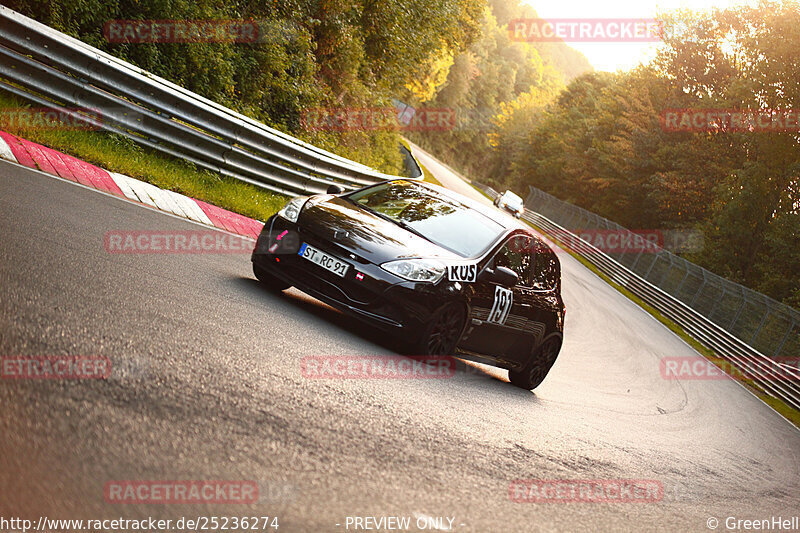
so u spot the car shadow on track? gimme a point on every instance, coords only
(324, 312)
(466, 372)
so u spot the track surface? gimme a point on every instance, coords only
(207, 385)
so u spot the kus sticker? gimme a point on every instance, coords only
(464, 273)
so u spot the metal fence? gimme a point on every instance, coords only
(767, 325)
(52, 69)
(560, 221)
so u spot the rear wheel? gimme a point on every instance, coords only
(538, 366)
(442, 333)
(268, 280)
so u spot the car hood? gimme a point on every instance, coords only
(365, 234)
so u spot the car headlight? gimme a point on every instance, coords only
(427, 270)
(292, 208)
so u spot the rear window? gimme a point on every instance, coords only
(512, 199)
(440, 219)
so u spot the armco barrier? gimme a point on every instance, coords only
(52, 69)
(756, 365)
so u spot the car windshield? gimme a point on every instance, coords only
(442, 220)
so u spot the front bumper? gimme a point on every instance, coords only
(366, 291)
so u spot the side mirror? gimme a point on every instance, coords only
(501, 275)
(335, 189)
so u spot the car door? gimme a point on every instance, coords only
(545, 282)
(497, 314)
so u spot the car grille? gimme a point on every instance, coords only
(348, 289)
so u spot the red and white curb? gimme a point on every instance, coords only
(18, 150)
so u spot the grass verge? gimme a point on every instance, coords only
(482, 192)
(787, 411)
(120, 154)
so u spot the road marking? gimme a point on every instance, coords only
(122, 182)
(169, 201)
(138, 203)
(138, 190)
(5, 151)
(37, 157)
(166, 197)
(191, 208)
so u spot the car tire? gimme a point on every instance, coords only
(441, 334)
(268, 280)
(538, 366)
(518, 215)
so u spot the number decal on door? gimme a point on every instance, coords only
(503, 298)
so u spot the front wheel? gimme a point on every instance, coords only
(442, 333)
(268, 280)
(538, 366)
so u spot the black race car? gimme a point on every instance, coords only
(444, 272)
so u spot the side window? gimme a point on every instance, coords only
(546, 270)
(516, 254)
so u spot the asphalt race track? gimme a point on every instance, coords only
(207, 385)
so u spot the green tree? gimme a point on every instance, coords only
(602, 143)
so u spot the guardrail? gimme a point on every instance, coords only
(410, 163)
(779, 380)
(53, 69)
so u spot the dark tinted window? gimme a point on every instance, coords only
(438, 218)
(546, 269)
(516, 255)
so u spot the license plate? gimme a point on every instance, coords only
(326, 261)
